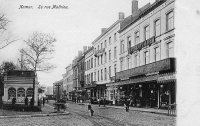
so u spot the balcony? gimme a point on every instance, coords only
(99, 52)
(141, 45)
(162, 65)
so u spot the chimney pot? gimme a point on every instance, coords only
(121, 15)
(103, 30)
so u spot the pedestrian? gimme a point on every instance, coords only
(31, 102)
(13, 101)
(91, 111)
(98, 102)
(43, 101)
(26, 101)
(127, 104)
(104, 102)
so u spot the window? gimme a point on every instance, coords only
(146, 57)
(137, 60)
(128, 63)
(115, 69)
(115, 52)
(157, 53)
(91, 77)
(98, 60)
(157, 27)
(170, 20)
(101, 59)
(109, 40)
(137, 37)
(122, 46)
(92, 63)
(105, 58)
(115, 37)
(21, 92)
(89, 64)
(101, 74)
(88, 78)
(12, 93)
(86, 65)
(109, 71)
(105, 43)
(29, 92)
(170, 50)
(101, 45)
(105, 74)
(122, 64)
(94, 76)
(98, 75)
(128, 42)
(109, 54)
(146, 32)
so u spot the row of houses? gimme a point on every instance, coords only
(133, 58)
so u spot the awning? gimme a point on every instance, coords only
(90, 86)
(136, 80)
(168, 77)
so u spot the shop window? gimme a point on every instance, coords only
(11, 93)
(21, 92)
(29, 92)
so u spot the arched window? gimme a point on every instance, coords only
(11, 93)
(29, 92)
(21, 92)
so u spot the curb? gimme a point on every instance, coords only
(35, 115)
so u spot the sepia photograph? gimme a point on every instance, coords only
(99, 63)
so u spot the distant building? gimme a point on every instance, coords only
(68, 81)
(19, 84)
(49, 90)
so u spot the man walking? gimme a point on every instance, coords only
(91, 111)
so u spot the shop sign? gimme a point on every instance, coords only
(153, 73)
(169, 77)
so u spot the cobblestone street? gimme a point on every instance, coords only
(103, 116)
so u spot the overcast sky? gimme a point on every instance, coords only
(73, 28)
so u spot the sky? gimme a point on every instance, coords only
(73, 28)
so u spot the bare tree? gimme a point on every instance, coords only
(40, 47)
(3, 23)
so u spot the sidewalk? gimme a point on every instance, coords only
(47, 110)
(149, 110)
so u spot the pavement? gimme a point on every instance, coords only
(149, 110)
(47, 110)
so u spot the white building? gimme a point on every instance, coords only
(106, 50)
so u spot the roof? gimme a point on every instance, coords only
(141, 13)
(21, 73)
(113, 25)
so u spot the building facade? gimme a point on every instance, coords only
(89, 73)
(105, 61)
(68, 82)
(147, 64)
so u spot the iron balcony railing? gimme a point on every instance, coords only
(141, 45)
(99, 52)
(162, 65)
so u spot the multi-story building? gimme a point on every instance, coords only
(147, 64)
(68, 82)
(90, 83)
(58, 89)
(105, 61)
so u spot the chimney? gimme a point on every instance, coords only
(134, 6)
(85, 48)
(79, 53)
(103, 30)
(121, 15)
